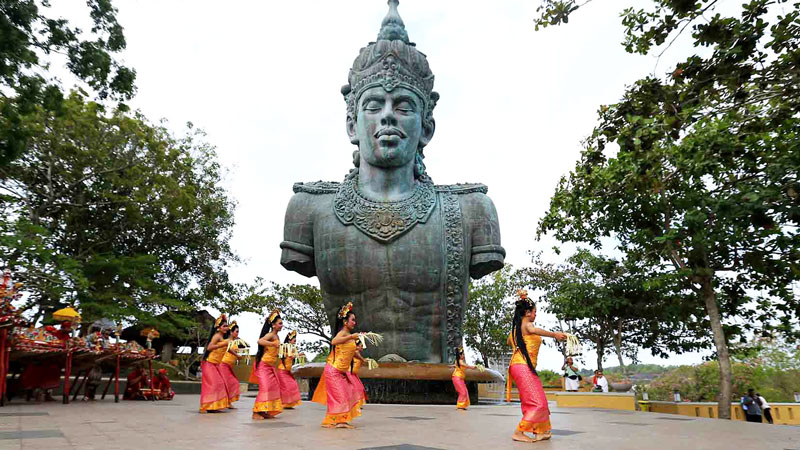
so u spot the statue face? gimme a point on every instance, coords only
(388, 127)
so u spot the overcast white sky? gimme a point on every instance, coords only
(263, 78)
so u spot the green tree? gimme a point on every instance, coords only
(615, 306)
(696, 172)
(301, 308)
(30, 38)
(487, 321)
(115, 215)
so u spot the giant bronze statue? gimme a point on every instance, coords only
(387, 238)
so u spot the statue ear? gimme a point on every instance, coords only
(428, 128)
(351, 130)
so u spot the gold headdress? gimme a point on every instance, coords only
(275, 313)
(345, 310)
(232, 324)
(292, 335)
(523, 297)
(221, 320)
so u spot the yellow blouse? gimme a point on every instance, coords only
(532, 343)
(270, 356)
(344, 354)
(215, 356)
(356, 365)
(459, 372)
(286, 363)
(229, 358)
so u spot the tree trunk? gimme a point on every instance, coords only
(166, 351)
(601, 350)
(618, 347)
(721, 343)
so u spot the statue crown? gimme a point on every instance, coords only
(390, 62)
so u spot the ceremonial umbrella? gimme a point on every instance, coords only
(146, 332)
(67, 314)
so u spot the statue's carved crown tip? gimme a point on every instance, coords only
(392, 27)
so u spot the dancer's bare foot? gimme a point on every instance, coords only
(258, 416)
(203, 411)
(521, 437)
(327, 425)
(544, 436)
(344, 425)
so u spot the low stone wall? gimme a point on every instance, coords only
(782, 413)
(606, 400)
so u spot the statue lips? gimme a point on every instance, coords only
(389, 137)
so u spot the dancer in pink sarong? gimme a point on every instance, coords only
(268, 401)
(213, 394)
(525, 340)
(343, 398)
(228, 361)
(459, 377)
(290, 391)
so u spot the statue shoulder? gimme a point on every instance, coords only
(463, 188)
(316, 187)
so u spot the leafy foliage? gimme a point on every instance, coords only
(487, 320)
(115, 215)
(696, 173)
(615, 306)
(301, 308)
(30, 36)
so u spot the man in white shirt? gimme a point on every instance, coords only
(600, 381)
(765, 408)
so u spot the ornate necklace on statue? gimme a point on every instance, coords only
(383, 221)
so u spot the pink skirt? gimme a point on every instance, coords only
(268, 400)
(463, 393)
(359, 387)
(290, 391)
(535, 412)
(213, 395)
(343, 399)
(231, 382)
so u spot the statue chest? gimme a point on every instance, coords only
(349, 261)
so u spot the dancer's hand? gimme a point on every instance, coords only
(560, 336)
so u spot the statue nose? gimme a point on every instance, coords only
(387, 115)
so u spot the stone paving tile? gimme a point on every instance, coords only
(31, 434)
(401, 447)
(144, 425)
(23, 414)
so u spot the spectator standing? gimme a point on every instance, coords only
(752, 409)
(572, 380)
(765, 408)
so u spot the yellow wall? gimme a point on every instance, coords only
(621, 401)
(782, 413)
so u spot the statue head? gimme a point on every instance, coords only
(390, 100)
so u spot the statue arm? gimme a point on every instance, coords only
(297, 248)
(487, 255)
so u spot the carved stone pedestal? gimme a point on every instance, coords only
(409, 383)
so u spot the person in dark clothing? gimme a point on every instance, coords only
(752, 407)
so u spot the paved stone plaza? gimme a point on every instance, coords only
(177, 425)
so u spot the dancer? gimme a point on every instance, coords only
(228, 360)
(525, 340)
(290, 391)
(213, 394)
(268, 401)
(355, 366)
(343, 400)
(458, 379)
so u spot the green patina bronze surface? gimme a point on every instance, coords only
(400, 247)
